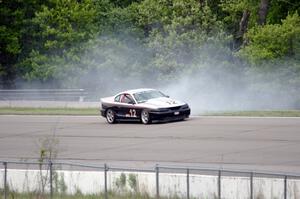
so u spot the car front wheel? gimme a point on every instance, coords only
(145, 117)
(110, 116)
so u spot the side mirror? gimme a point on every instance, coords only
(131, 102)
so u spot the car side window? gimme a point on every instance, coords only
(117, 98)
(126, 98)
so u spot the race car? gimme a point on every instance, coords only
(145, 105)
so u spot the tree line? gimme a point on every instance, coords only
(57, 42)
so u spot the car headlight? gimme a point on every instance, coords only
(186, 106)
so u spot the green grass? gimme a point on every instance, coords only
(48, 111)
(258, 113)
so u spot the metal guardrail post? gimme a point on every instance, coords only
(251, 185)
(188, 184)
(219, 184)
(105, 181)
(51, 178)
(5, 180)
(285, 187)
(157, 181)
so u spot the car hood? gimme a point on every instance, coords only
(162, 102)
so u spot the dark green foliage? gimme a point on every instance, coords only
(63, 28)
(176, 32)
(15, 36)
(280, 9)
(274, 41)
(88, 43)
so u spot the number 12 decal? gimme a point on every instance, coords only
(132, 112)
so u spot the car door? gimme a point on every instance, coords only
(118, 106)
(128, 109)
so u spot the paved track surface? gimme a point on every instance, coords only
(265, 144)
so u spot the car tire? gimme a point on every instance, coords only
(110, 116)
(145, 117)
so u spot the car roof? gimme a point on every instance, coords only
(132, 91)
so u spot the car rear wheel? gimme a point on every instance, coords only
(110, 116)
(145, 117)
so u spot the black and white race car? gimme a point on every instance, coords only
(145, 105)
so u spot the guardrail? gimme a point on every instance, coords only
(187, 181)
(44, 94)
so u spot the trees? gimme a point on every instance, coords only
(61, 29)
(175, 32)
(263, 11)
(55, 40)
(15, 36)
(273, 41)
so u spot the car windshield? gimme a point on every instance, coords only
(146, 95)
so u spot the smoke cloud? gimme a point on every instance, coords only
(205, 93)
(215, 84)
(216, 81)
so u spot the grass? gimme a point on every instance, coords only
(95, 111)
(258, 113)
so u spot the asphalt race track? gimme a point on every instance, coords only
(265, 144)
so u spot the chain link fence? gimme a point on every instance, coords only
(21, 179)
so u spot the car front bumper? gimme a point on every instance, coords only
(170, 115)
(102, 112)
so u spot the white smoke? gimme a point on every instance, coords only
(215, 83)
